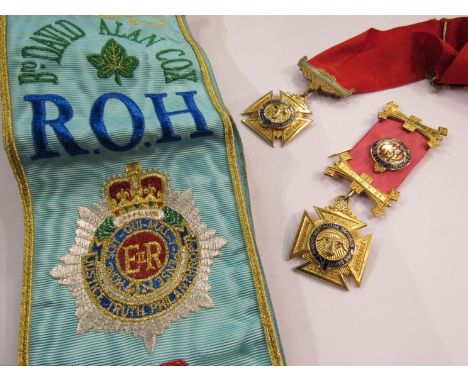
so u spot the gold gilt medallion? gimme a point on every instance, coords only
(278, 117)
(331, 245)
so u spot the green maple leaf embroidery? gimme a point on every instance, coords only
(113, 60)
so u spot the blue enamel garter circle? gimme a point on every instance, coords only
(331, 245)
(276, 114)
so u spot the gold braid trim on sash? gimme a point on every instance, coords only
(267, 319)
(15, 163)
(10, 148)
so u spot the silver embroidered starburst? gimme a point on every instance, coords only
(140, 261)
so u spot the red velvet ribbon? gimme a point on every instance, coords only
(361, 159)
(377, 60)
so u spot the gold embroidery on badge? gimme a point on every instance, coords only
(141, 258)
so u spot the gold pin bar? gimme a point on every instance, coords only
(413, 123)
(320, 80)
(362, 183)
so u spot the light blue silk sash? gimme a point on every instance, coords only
(139, 247)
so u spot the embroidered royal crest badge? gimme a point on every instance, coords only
(141, 257)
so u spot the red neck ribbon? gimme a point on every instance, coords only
(377, 60)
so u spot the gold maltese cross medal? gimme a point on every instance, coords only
(278, 117)
(331, 245)
(141, 258)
